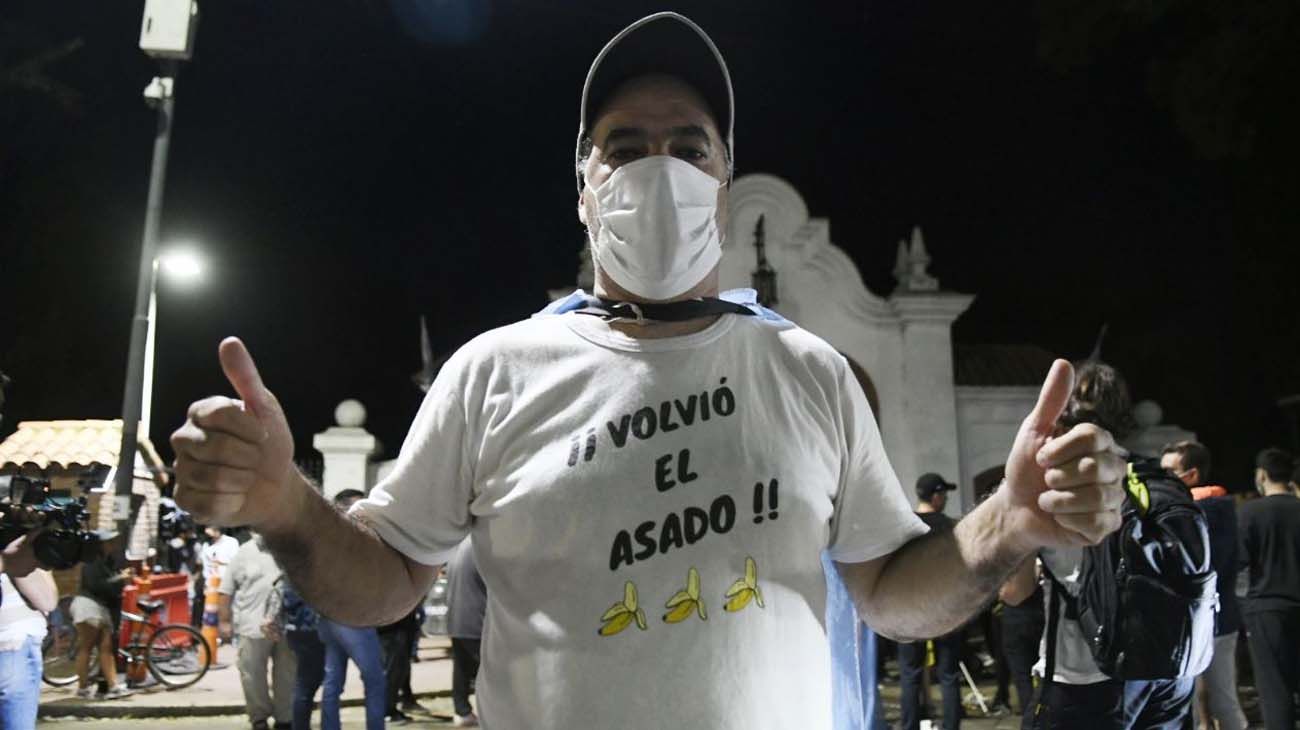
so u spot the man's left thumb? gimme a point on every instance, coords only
(1053, 398)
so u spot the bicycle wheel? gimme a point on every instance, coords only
(59, 647)
(176, 655)
(59, 655)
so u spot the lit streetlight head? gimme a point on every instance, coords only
(181, 265)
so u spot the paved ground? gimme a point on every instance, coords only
(353, 719)
(217, 701)
(219, 692)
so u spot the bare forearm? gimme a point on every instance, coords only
(38, 588)
(935, 583)
(223, 608)
(1021, 585)
(341, 567)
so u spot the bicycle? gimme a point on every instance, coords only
(174, 654)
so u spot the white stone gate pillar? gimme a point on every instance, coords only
(346, 449)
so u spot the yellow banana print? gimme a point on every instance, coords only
(684, 602)
(621, 615)
(617, 624)
(745, 590)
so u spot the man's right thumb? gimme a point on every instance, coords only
(238, 366)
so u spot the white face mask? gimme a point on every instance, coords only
(656, 226)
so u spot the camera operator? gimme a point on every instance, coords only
(27, 593)
(95, 612)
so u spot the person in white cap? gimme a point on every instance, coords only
(649, 475)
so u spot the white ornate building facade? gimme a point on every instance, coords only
(942, 408)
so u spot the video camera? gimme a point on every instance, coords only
(65, 541)
(174, 522)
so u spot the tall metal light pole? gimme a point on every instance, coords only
(167, 34)
(183, 265)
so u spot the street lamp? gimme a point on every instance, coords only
(166, 34)
(181, 266)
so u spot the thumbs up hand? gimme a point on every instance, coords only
(1062, 489)
(233, 457)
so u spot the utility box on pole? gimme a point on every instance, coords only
(168, 28)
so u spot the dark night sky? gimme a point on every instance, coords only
(347, 167)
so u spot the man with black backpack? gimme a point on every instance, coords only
(1130, 621)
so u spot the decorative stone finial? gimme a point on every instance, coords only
(350, 414)
(910, 268)
(900, 263)
(1148, 413)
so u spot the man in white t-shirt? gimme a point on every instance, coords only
(650, 477)
(218, 553)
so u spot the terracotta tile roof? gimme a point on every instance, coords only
(63, 444)
(1005, 365)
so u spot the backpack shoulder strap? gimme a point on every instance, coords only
(1138, 493)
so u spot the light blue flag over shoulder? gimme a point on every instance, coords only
(580, 299)
(854, 696)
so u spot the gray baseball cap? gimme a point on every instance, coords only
(663, 43)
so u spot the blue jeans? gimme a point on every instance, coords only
(307, 646)
(911, 665)
(1154, 704)
(20, 685)
(344, 642)
(1158, 704)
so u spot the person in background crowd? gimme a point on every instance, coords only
(1216, 689)
(405, 694)
(991, 626)
(248, 597)
(1023, 623)
(96, 611)
(216, 555)
(1268, 547)
(466, 605)
(296, 625)
(27, 594)
(361, 645)
(993, 629)
(1295, 479)
(1080, 695)
(395, 646)
(932, 497)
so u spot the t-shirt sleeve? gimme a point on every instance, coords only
(872, 515)
(233, 574)
(422, 508)
(1244, 545)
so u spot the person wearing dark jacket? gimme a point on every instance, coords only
(1022, 631)
(466, 605)
(1268, 547)
(96, 611)
(395, 648)
(1216, 688)
(297, 624)
(932, 497)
